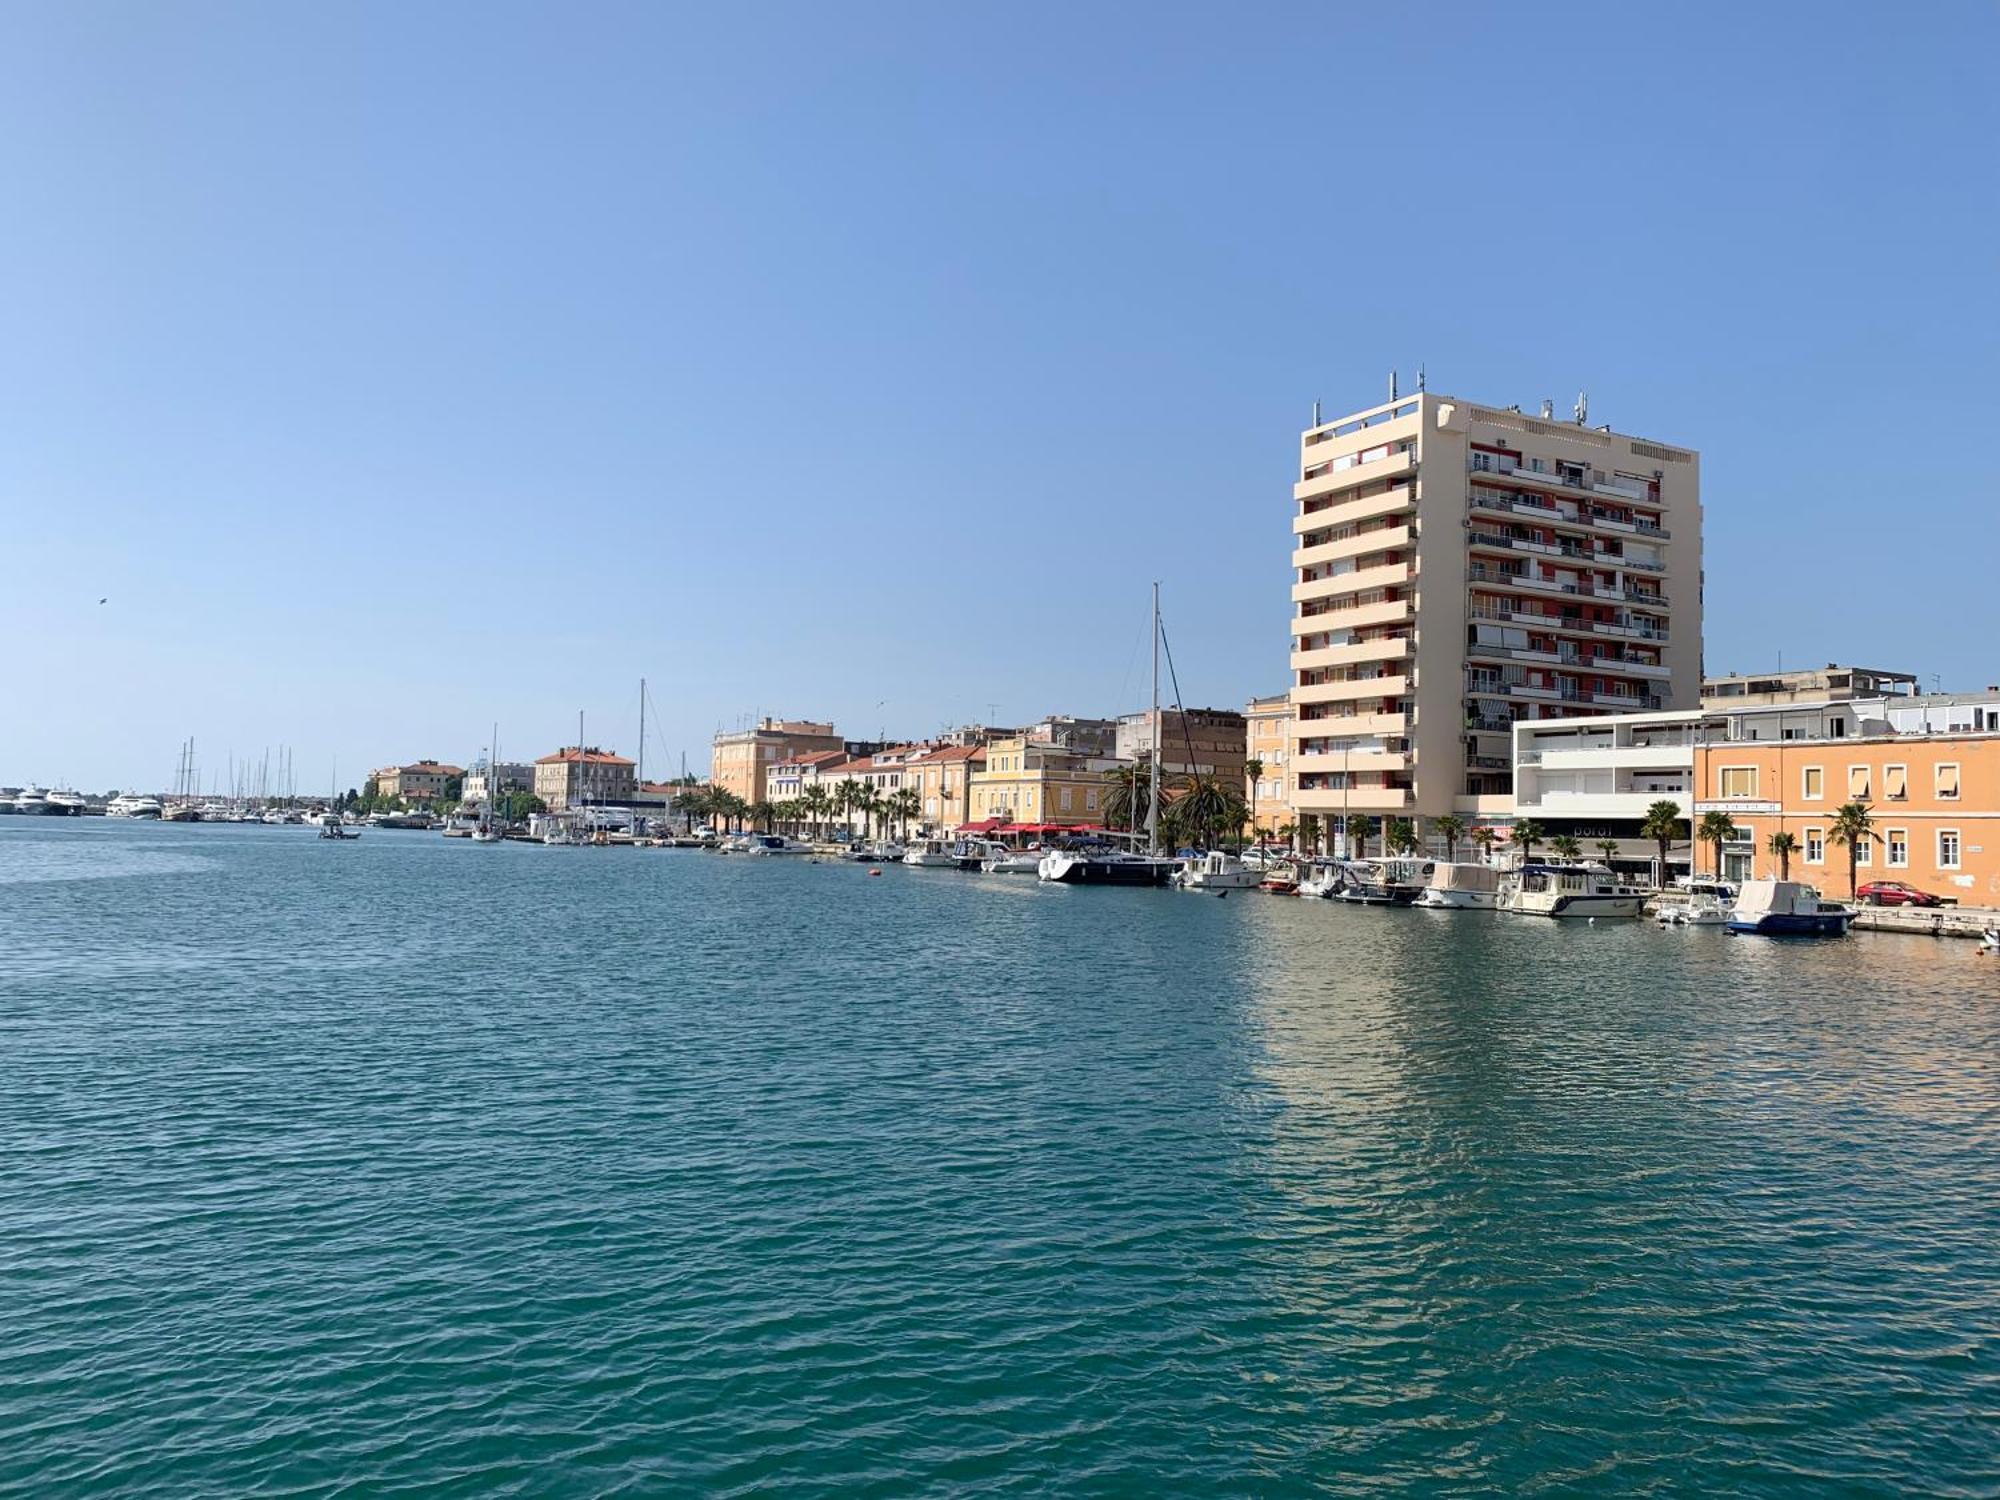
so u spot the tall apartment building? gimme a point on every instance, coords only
(1460, 567)
(740, 760)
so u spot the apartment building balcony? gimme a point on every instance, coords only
(1354, 475)
(1315, 515)
(1359, 617)
(1667, 759)
(1536, 619)
(1509, 504)
(1394, 648)
(1360, 581)
(1353, 763)
(1336, 801)
(1374, 725)
(1588, 804)
(1384, 539)
(1352, 690)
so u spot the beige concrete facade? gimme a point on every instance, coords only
(1030, 781)
(1459, 567)
(740, 760)
(421, 781)
(576, 775)
(1193, 742)
(1827, 684)
(1268, 740)
(943, 781)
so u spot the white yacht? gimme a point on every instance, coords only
(131, 805)
(1218, 871)
(1005, 861)
(772, 843)
(1545, 890)
(1105, 866)
(32, 802)
(1457, 887)
(1702, 909)
(66, 804)
(931, 854)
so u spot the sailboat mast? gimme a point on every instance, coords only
(640, 773)
(1153, 790)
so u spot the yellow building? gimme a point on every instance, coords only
(1268, 733)
(423, 781)
(942, 779)
(576, 775)
(1026, 781)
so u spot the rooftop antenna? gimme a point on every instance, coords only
(1582, 407)
(1548, 410)
(1315, 414)
(1420, 380)
(1392, 385)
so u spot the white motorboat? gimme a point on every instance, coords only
(931, 854)
(1581, 890)
(771, 844)
(1461, 887)
(132, 805)
(1012, 861)
(1787, 908)
(32, 802)
(65, 804)
(1703, 909)
(1382, 882)
(1218, 871)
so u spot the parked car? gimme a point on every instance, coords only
(1895, 893)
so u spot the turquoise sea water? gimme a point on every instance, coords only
(412, 1167)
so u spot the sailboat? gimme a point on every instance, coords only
(1098, 864)
(491, 828)
(330, 825)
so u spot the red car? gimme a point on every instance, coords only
(1895, 893)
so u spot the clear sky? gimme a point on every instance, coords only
(392, 369)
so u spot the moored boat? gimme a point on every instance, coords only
(1787, 908)
(1580, 890)
(1217, 870)
(1460, 887)
(1104, 866)
(931, 854)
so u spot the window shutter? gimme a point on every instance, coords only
(1947, 781)
(1895, 782)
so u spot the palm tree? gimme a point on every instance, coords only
(1401, 837)
(903, 805)
(1450, 828)
(1566, 846)
(1527, 833)
(1359, 828)
(1307, 833)
(1782, 847)
(1287, 832)
(847, 800)
(1253, 772)
(1663, 825)
(868, 803)
(1203, 806)
(814, 803)
(732, 808)
(1130, 794)
(1854, 826)
(1608, 848)
(762, 814)
(1485, 838)
(1716, 829)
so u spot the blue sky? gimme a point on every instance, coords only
(396, 369)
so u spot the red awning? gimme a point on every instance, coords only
(987, 825)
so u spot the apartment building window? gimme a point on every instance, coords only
(1090, 799)
(1738, 781)
(1857, 783)
(1947, 783)
(1947, 848)
(1812, 784)
(1815, 846)
(1864, 854)
(1065, 798)
(1896, 783)
(1898, 842)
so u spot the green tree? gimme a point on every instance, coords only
(1203, 807)
(1608, 848)
(1566, 846)
(1253, 772)
(1128, 794)
(761, 814)
(1287, 832)
(1450, 828)
(868, 802)
(1527, 833)
(1782, 847)
(1663, 825)
(903, 804)
(815, 804)
(516, 807)
(1717, 829)
(1401, 837)
(1852, 826)
(1360, 828)
(1485, 838)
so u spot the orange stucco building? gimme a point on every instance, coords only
(1934, 799)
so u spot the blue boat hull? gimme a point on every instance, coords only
(1820, 924)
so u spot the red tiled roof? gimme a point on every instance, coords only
(815, 758)
(591, 756)
(426, 768)
(952, 753)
